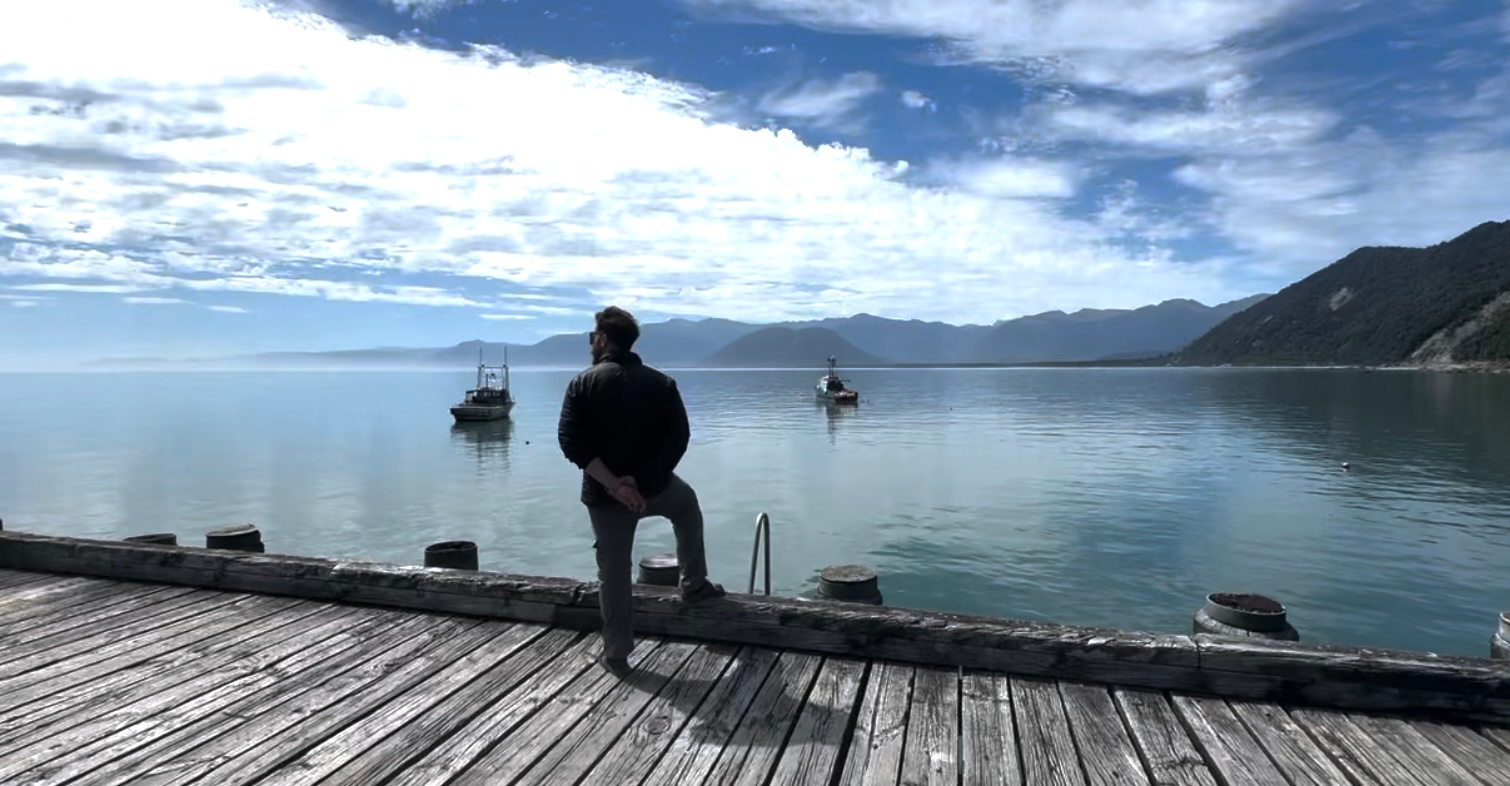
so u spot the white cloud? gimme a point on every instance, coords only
(827, 102)
(228, 309)
(506, 316)
(23, 303)
(1141, 47)
(266, 167)
(99, 289)
(912, 99)
(1010, 178)
(153, 301)
(1245, 130)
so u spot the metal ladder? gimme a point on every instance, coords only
(762, 534)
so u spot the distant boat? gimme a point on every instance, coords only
(831, 387)
(490, 399)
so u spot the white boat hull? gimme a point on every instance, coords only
(472, 413)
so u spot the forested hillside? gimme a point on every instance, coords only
(1379, 306)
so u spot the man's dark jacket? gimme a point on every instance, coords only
(630, 416)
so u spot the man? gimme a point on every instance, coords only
(624, 424)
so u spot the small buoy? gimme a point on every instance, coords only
(526, 442)
(1347, 465)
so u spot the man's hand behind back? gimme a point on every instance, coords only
(627, 491)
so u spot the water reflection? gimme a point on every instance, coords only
(487, 441)
(837, 414)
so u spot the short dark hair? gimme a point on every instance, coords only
(617, 326)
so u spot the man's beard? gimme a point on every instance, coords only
(598, 355)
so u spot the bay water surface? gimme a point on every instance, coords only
(1115, 497)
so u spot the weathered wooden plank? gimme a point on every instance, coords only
(1106, 751)
(13, 578)
(1047, 744)
(580, 748)
(1169, 754)
(1253, 669)
(376, 639)
(529, 742)
(486, 729)
(59, 643)
(931, 753)
(335, 751)
(394, 752)
(812, 753)
(880, 736)
(749, 753)
(1352, 678)
(1499, 735)
(73, 751)
(150, 644)
(1363, 759)
(697, 746)
(258, 743)
(988, 734)
(641, 745)
(1231, 749)
(1489, 762)
(127, 732)
(52, 708)
(1293, 751)
(1416, 753)
(522, 598)
(36, 611)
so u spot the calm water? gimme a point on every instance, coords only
(1107, 497)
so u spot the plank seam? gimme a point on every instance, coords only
(1315, 739)
(849, 727)
(673, 734)
(792, 726)
(1278, 765)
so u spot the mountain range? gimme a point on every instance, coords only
(1444, 304)
(860, 340)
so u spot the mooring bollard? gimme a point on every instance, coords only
(453, 554)
(852, 583)
(236, 537)
(1244, 615)
(158, 538)
(659, 570)
(1499, 644)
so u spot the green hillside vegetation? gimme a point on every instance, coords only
(1378, 306)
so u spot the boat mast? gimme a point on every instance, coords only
(505, 366)
(479, 365)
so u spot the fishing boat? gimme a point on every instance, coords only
(831, 387)
(490, 399)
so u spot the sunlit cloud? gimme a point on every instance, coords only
(290, 152)
(153, 301)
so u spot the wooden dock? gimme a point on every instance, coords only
(108, 681)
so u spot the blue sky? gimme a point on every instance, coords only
(203, 177)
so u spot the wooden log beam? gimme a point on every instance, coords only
(1311, 674)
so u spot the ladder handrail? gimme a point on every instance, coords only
(762, 528)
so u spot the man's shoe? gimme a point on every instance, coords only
(619, 667)
(701, 591)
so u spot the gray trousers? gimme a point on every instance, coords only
(613, 526)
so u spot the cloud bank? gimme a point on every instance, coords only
(268, 152)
